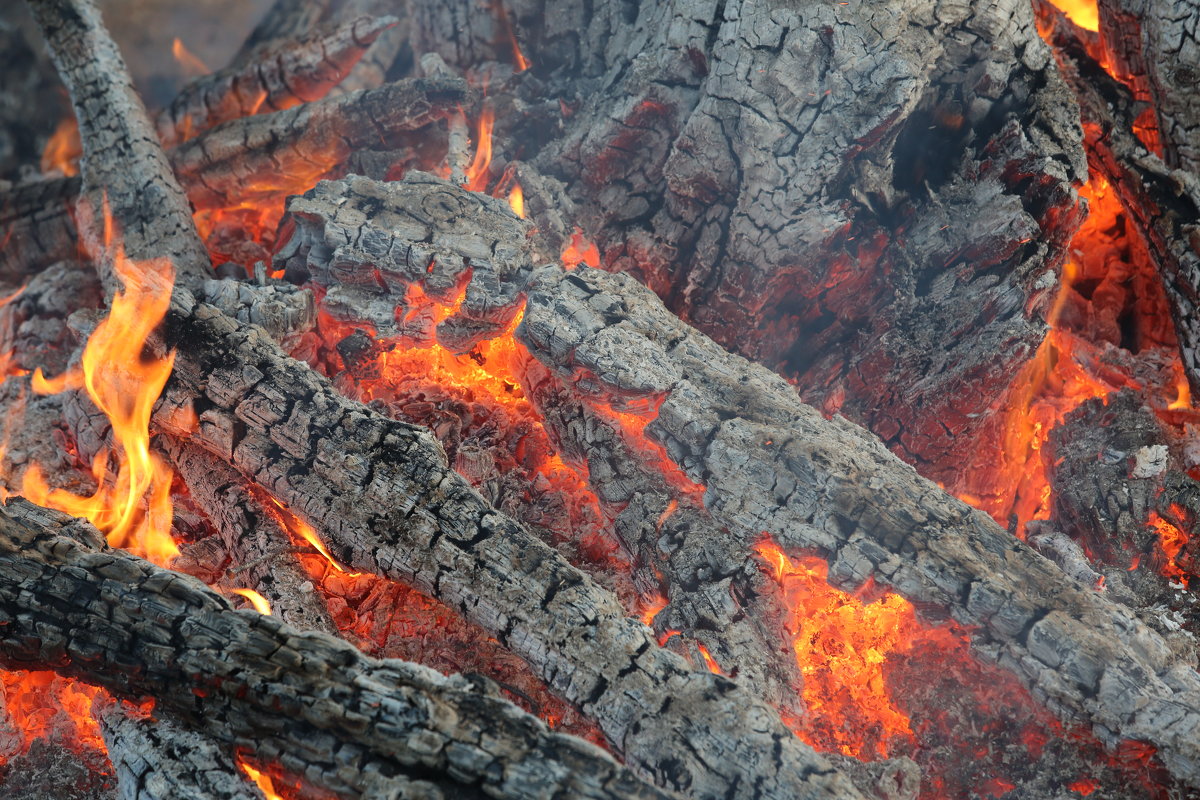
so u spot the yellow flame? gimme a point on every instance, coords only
(134, 508)
(261, 780)
(516, 201)
(257, 600)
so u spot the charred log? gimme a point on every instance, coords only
(296, 72)
(350, 724)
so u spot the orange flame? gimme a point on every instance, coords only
(1084, 13)
(134, 511)
(261, 779)
(580, 250)
(1183, 394)
(477, 172)
(709, 661)
(63, 149)
(257, 600)
(192, 66)
(842, 643)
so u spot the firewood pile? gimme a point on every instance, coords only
(605, 400)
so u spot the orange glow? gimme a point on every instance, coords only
(1183, 394)
(709, 661)
(261, 779)
(1083, 13)
(1084, 786)
(1066, 371)
(656, 604)
(257, 600)
(580, 250)
(134, 508)
(301, 531)
(842, 643)
(1171, 542)
(191, 66)
(63, 149)
(516, 201)
(43, 704)
(477, 172)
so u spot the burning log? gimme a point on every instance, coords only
(768, 212)
(37, 227)
(158, 759)
(350, 724)
(125, 168)
(268, 155)
(1150, 46)
(771, 464)
(295, 72)
(386, 502)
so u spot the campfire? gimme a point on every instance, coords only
(609, 400)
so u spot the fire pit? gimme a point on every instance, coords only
(608, 400)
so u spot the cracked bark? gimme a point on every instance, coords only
(769, 463)
(350, 724)
(819, 188)
(292, 73)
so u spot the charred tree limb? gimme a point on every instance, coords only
(1152, 44)
(386, 502)
(769, 463)
(254, 536)
(295, 72)
(288, 151)
(125, 169)
(285, 20)
(306, 699)
(158, 759)
(37, 227)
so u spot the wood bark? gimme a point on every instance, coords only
(159, 759)
(1152, 45)
(350, 724)
(386, 502)
(909, 175)
(768, 463)
(295, 72)
(125, 169)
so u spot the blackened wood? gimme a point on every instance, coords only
(37, 226)
(254, 535)
(891, 242)
(382, 494)
(123, 166)
(285, 20)
(287, 151)
(312, 702)
(1152, 45)
(159, 759)
(768, 462)
(292, 73)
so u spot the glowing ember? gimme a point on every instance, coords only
(43, 704)
(1171, 542)
(842, 642)
(709, 661)
(63, 149)
(257, 600)
(134, 508)
(1083, 13)
(580, 250)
